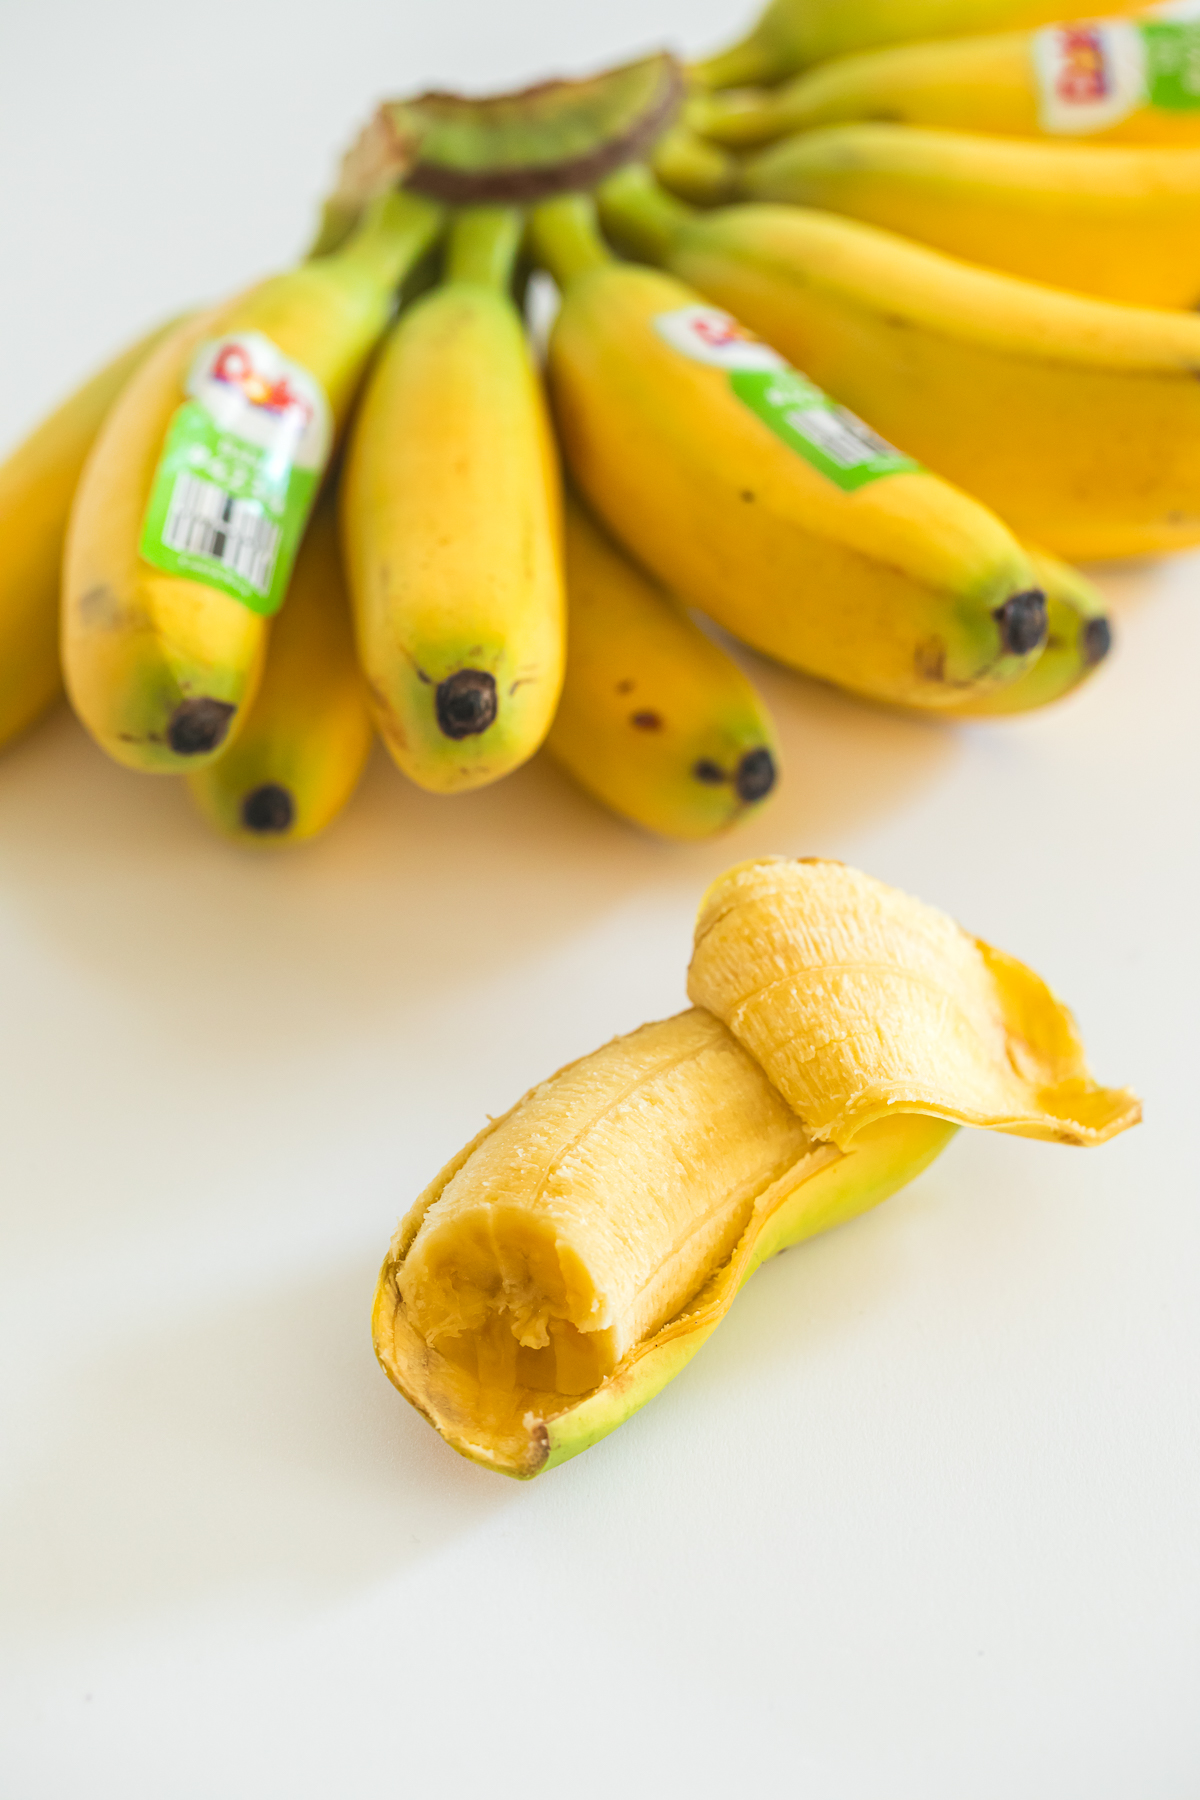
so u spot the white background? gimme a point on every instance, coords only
(919, 1524)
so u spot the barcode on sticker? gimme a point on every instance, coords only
(203, 520)
(843, 438)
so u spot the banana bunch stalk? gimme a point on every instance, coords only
(573, 1257)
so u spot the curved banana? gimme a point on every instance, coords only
(655, 719)
(792, 34)
(1079, 637)
(752, 496)
(307, 734)
(451, 526)
(1118, 81)
(694, 168)
(37, 483)
(1077, 419)
(1123, 224)
(195, 494)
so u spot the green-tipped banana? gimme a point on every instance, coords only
(752, 496)
(1079, 637)
(655, 719)
(306, 739)
(451, 526)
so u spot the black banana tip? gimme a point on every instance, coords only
(756, 775)
(1096, 640)
(269, 809)
(466, 703)
(198, 726)
(1022, 622)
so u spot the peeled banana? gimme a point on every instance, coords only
(792, 34)
(1123, 224)
(197, 488)
(1077, 419)
(655, 720)
(307, 735)
(1122, 81)
(566, 1264)
(37, 483)
(451, 526)
(752, 496)
(1079, 636)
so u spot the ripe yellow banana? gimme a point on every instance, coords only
(298, 757)
(1077, 419)
(451, 526)
(1078, 638)
(196, 491)
(1123, 224)
(37, 482)
(750, 495)
(695, 169)
(792, 34)
(655, 719)
(1120, 81)
(566, 1264)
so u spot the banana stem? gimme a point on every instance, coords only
(395, 231)
(643, 218)
(564, 236)
(483, 246)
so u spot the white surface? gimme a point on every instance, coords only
(919, 1524)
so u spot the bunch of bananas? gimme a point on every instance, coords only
(854, 415)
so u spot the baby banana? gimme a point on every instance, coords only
(1077, 419)
(655, 720)
(1123, 224)
(451, 526)
(197, 488)
(566, 1264)
(37, 483)
(751, 496)
(1078, 638)
(307, 735)
(1122, 81)
(791, 34)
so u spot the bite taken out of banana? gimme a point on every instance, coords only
(1120, 223)
(307, 735)
(451, 525)
(655, 720)
(752, 496)
(194, 497)
(1077, 419)
(1103, 81)
(37, 484)
(575, 1256)
(794, 34)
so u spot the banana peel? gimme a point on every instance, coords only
(882, 1026)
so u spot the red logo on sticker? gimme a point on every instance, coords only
(234, 366)
(1083, 75)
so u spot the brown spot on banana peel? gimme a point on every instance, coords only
(646, 721)
(466, 703)
(709, 772)
(199, 726)
(269, 810)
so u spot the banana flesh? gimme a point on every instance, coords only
(573, 1257)
(655, 719)
(859, 1001)
(452, 532)
(1077, 419)
(901, 589)
(1123, 224)
(299, 756)
(37, 483)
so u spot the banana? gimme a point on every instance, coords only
(37, 482)
(307, 735)
(751, 496)
(1121, 224)
(792, 34)
(655, 720)
(1117, 80)
(695, 169)
(1079, 636)
(195, 493)
(573, 1257)
(451, 526)
(1078, 420)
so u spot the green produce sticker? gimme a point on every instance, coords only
(831, 439)
(1092, 75)
(239, 471)
(1173, 66)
